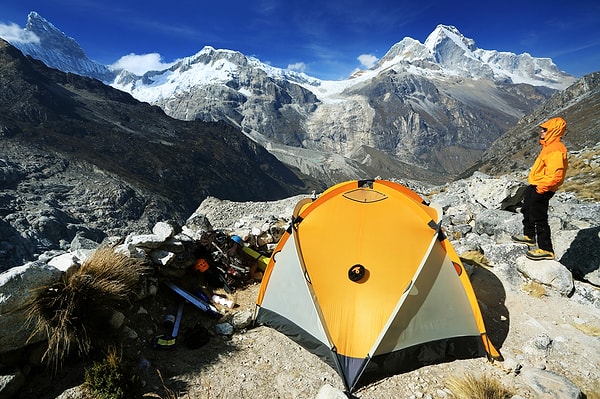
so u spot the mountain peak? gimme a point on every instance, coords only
(57, 50)
(445, 53)
(443, 34)
(52, 38)
(36, 20)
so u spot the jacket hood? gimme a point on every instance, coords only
(555, 129)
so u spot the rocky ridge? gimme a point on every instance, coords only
(543, 316)
(59, 51)
(517, 148)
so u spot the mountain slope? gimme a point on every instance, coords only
(86, 120)
(579, 105)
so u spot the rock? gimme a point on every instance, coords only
(150, 241)
(549, 385)
(80, 242)
(81, 248)
(196, 225)
(130, 250)
(549, 273)
(329, 392)
(11, 383)
(164, 230)
(77, 392)
(130, 333)
(117, 319)
(162, 257)
(502, 258)
(15, 291)
(176, 245)
(490, 192)
(586, 294)
(540, 344)
(495, 222)
(224, 329)
(241, 320)
(161, 232)
(65, 262)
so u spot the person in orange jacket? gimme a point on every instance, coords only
(546, 175)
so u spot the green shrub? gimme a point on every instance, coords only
(111, 379)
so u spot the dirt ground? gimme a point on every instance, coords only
(260, 362)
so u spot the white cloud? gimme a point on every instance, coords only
(14, 34)
(298, 66)
(367, 60)
(139, 64)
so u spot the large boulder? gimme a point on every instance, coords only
(550, 273)
(16, 290)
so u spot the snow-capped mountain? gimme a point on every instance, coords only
(424, 109)
(59, 51)
(435, 105)
(447, 52)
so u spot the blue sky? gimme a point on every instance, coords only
(325, 39)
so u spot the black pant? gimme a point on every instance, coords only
(535, 217)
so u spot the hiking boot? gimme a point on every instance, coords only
(539, 254)
(523, 240)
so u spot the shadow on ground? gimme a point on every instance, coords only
(491, 296)
(583, 256)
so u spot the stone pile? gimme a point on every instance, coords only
(172, 249)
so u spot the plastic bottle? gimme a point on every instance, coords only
(222, 301)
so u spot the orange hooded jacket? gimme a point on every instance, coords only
(549, 169)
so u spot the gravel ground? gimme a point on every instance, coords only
(260, 362)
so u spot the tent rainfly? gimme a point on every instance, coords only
(365, 278)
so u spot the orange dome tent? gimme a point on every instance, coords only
(365, 278)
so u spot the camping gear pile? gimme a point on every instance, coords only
(366, 279)
(226, 262)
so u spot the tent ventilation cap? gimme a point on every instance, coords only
(356, 272)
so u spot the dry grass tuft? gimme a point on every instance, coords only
(169, 393)
(583, 174)
(475, 258)
(73, 313)
(471, 387)
(588, 329)
(534, 289)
